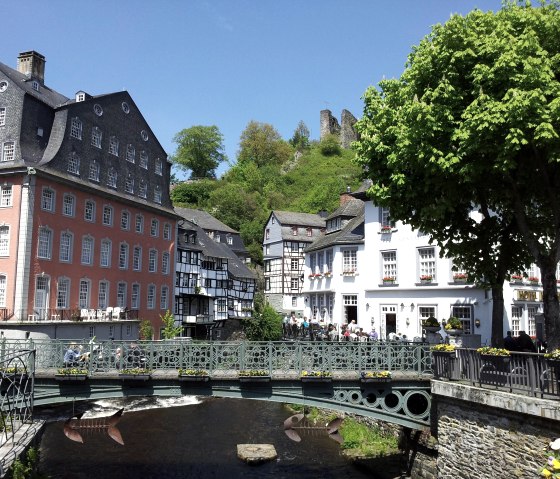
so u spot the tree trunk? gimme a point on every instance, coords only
(550, 305)
(497, 316)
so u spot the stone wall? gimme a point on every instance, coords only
(489, 433)
(345, 130)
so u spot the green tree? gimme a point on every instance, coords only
(330, 145)
(193, 193)
(146, 330)
(170, 330)
(262, 144)
(266, 324)
(474, 121)
(199, 149)
(300, 139)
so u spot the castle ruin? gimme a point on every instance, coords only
(345, 130)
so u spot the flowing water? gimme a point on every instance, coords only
(189, 438)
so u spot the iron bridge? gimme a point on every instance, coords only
(322, 374)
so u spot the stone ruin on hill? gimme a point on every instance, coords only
(345, 130)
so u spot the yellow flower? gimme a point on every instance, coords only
(546, 473)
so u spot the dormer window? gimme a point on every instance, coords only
(80, 96)
(35, 85)
(294, 230)
(309, 232)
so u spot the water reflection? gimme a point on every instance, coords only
(198, 440)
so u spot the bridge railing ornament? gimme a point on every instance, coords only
(279, 359)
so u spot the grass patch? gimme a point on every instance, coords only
(366, 441)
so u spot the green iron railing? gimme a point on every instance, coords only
(277, 358)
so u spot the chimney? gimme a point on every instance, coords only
(32, 65)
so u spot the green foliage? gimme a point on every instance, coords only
(262, 144)
(193, 193)
(200, 149)
(170, 330)
(365, 441)
(472, 116)
(300, 139)
(266, 324)
(330, 145)
(146, 330)
(26, 468)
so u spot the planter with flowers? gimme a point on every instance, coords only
(453, 326)
(460, 278)
(390, 280)
(328, 274)
(431, 325)
(517, 278)
(386, 229)
(553, 362)
(426, 278)
(195, 375)
(533, 280)
(349, 272)
(136, 374)
(444, 361)
(253, 375)
(71, 374)
(316, 376)
(494, 360)
(375, 376)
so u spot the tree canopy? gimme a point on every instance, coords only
(262, 144)
(465, 145)
(199, 149)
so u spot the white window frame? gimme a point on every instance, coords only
(157, 194)
(105, 253)
(164, 298)
(66, 246)
(129, 184)
(349, 261)
(48, 198)
(165, 262)
(6, 196)
(74, 164)
(130, 153)
(427, 264)
(154, 228)
(135, 296)
(152, 261)
(86, 256)
(123, 255)
(112, 178)
(5, 240)
(137, 258)
(125, 220)
(2, 116)
(143, 160)
(121, 294)
(63, 293)
(107, 217)
(94, 171)
(151, 299)
(143, 189)
(103, 294)
(389, 265)
(89, 211)
(76, 128)
(114, 146)
(465, 315)
(96, 137)
(166, 231)
(158, 169)
(139, 224)
(44, 243)
(516, 319)
(68, 205)
(8, 151)
(84, 292)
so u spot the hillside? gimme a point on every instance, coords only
(245, 195)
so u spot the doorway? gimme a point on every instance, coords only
(388, 321)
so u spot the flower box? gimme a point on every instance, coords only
(316, 377)
(385, 229)
(454, 332)
(426, 279)
(375, 377)
(254, 379)
(190, 378)
(135, 374)
(70, 377)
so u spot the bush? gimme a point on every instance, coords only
(330, 145)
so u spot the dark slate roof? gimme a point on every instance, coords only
(286, 218)
(351, 233)
(203, 219)
(45, 94)
(211, 248)
(350, 208)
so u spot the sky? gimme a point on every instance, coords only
(224, 62)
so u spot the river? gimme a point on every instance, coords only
(189, 438)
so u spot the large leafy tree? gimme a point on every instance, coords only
(200, 149)
(465, 145)
(262, 144)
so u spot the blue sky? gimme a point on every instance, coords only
(224, 62)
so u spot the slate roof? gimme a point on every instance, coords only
(211, 248)
(351, 233)
(350, 208)
(203, 219)
(45, 94)
(287, 218)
